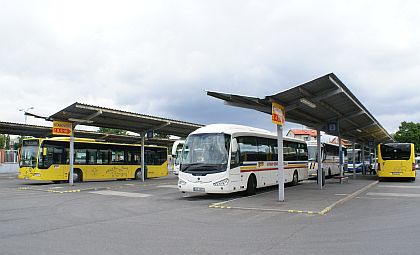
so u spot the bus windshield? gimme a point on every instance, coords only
(350, 155)
(396, 151)
(312, 153)
(205, 149)
(29, 153)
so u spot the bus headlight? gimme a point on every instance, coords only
(181, 182)
(223, 182)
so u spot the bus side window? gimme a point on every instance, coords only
(235, 155)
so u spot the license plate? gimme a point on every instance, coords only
(198, 189)
(396, 173)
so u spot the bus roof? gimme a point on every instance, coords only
(88, 140)
(232, 129)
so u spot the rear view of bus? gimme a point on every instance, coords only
(396, 160)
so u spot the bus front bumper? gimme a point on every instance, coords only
(190, 187)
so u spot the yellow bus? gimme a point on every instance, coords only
(47, 159)
(396, 160)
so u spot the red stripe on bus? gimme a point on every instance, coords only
(264, 169)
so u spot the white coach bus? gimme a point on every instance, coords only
(175, 155)
(223, 158)
(330, 157)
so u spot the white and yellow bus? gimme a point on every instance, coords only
(396, 160)
(224, 158)
(48, 160)
(330, 158)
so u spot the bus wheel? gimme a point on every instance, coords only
(295, 178)
(137, 175)
(251, 188)
(77, 175)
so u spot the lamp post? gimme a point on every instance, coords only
(25, 111)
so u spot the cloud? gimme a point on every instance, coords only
(158, 57)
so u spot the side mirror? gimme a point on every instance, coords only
(44, 151)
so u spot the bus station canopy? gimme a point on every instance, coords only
(323, 103)
(43, 131)
(90, 115)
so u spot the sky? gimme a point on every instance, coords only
(159, 57)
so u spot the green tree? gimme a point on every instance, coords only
(409, 132)
(7, 145)
(157, 135)
(2, 141)
(19, 143)
(112, 131)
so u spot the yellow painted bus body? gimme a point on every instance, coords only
(397, 168)
(60, 172)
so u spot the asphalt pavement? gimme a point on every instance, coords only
(130, 217)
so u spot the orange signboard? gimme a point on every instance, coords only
(62, 128)
(277, 114)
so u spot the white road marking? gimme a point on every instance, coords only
(168, 186)
(392, 194)
(119, 193)
(399, 186)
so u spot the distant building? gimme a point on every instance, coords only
(345, 143)
(304, 134)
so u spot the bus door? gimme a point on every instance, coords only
(235, 169)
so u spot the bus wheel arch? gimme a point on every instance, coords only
(137, 174)
(77, 175)
(295, 179)
(251, 187)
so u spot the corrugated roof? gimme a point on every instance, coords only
(110, 118)
(43, 131)
(317, 103)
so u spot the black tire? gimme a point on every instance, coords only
(295, 179)
(77, 175)
(137, 175)
(251, 188)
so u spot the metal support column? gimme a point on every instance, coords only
(340, 153)
(280, 162)
(319, 157)
(362, 151)
(142, 157)
(71, 152)
(375, 159)
(354, 159)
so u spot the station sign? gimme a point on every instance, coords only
(62, 128)
(278, 115)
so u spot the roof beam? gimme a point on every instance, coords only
(263, 109)
(88, 118)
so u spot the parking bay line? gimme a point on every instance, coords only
(399, 186)
(384, 194)
(120, 193)
(224, 204)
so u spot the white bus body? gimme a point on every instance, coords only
(175, 155)
(223, 158)
(330, 158)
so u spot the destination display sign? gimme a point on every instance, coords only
(62, 128)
